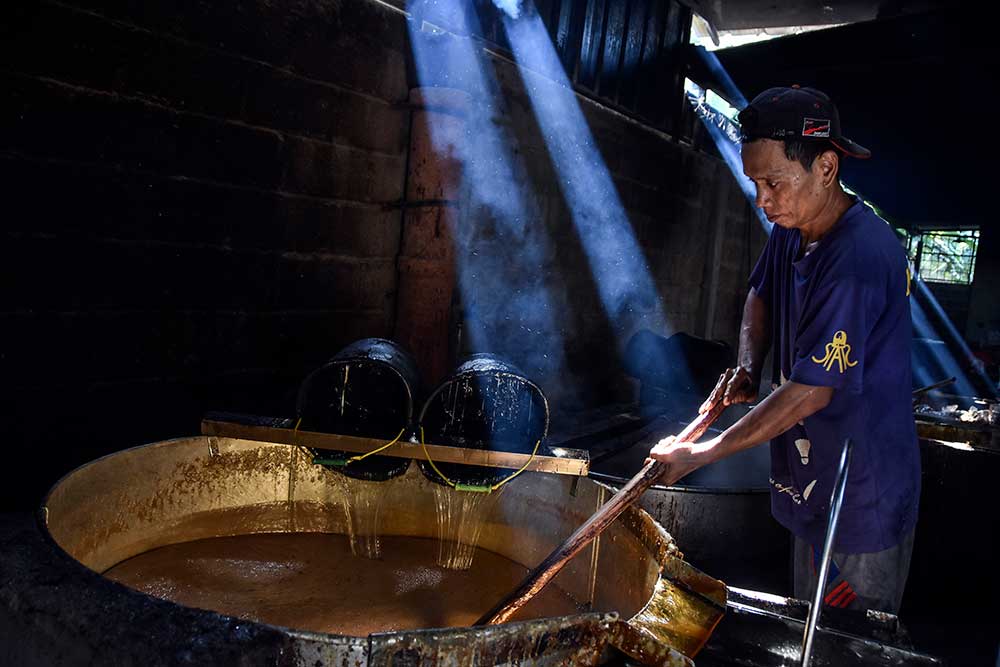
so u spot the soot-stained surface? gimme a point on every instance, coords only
(311, 581)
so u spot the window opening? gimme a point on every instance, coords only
(945, 255)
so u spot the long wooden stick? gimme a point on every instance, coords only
(594, 526)
(561, 461)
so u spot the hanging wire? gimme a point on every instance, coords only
(473, 487)
(360, 457)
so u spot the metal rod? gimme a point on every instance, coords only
(836, 501)
(936, 385)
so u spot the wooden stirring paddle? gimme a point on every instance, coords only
(594, 526)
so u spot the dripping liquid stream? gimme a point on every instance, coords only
(364, 502)
(460, 516)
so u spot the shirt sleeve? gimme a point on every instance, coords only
(833, 330)
(762, 276)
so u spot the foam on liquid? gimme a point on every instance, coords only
(312, 581)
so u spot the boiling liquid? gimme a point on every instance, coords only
(312, 581)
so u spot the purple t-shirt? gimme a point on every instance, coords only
(841, 318)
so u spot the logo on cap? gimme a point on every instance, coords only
(815, 127)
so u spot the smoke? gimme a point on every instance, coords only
(511, 8)
(510, 304)
(934, 350)
(730, 90)
(726, 137)
(628, 294)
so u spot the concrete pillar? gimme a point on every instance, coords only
(426, 285)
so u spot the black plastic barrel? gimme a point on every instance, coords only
(486, 404)
(368, 389)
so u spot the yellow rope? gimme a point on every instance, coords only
(362, 457)
(493, 487)
(302, 448)
(312, 453)
(429, 460)
(522, 469)
(309, 452)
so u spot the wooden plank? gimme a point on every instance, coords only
(556, 460)
(546, 11)
(676, 34)
(632, 57)
(648, 94)
(614, 41)
(569, 33)
(590, 49)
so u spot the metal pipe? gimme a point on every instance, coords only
(836, 500)
(936, 385)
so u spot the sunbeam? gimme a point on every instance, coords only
(628, 294)
(502, 253)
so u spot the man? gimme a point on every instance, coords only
(830, 293)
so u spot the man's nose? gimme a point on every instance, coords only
(761, 199)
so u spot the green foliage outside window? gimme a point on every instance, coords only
(944, 256)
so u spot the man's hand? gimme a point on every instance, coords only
(736, 385)
(681, 458)
(741, 384)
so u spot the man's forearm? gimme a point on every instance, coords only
(755, 335)
(783, 408)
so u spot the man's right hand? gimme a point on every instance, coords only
(736, 385)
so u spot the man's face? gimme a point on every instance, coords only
(791, 196)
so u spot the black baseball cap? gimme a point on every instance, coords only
(798, 113)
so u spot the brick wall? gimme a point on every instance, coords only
(198, 206)
(194, 212)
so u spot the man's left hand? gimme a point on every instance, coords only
(681, 458)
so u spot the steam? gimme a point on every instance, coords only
(944, 361)
(511, 8)
(503, 253)
(726, 136)
(619, 267)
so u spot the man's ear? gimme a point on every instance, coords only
(827, 167)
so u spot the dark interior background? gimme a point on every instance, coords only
(202, 203)
(919, 91)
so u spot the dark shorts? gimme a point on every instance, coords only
(856, 581)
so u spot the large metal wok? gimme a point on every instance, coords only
(630, 585)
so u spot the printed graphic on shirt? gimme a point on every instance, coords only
(837, 351)
(803, 446)
(787, 489)
(909, 277)
(808, 490)
(815, 127)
